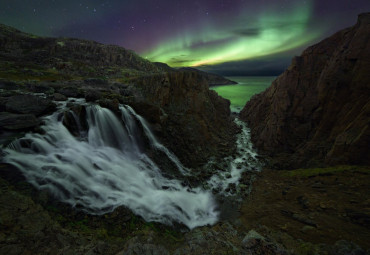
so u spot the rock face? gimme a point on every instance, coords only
(191, 119)
(318, 110)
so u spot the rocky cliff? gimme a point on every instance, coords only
(317, 111)
(193, 120)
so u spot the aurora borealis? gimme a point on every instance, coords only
(224, 36)
(269, 33)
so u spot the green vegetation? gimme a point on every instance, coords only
(325, 171)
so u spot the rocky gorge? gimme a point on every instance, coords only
(302, 211)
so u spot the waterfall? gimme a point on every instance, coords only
(105, 169)
(155, 143)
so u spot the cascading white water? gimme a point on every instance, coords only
(106, 169)
(245, 160)
(154, 142)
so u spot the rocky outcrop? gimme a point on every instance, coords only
(212, 79)
(11, 121)
(20, 112)
(29, 104)
(317, 111)
(191, 119)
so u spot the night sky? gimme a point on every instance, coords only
(231, 37)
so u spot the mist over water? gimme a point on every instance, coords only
(105, 168)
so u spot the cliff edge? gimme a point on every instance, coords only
(317, 112)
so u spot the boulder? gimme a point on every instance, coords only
(74, 120)
(11, 121)
(29, 104)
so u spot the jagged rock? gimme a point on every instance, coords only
(318, 109)
(11, 121)
(75, 120)
(29, 104)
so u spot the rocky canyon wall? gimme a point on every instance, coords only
(318, 111)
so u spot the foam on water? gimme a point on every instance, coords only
(245, 160)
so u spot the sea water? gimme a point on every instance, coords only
(240, 93)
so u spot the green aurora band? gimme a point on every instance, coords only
(238, 39)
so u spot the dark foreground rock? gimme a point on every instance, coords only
(11, 121)
(29, 104)
(318, 110)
